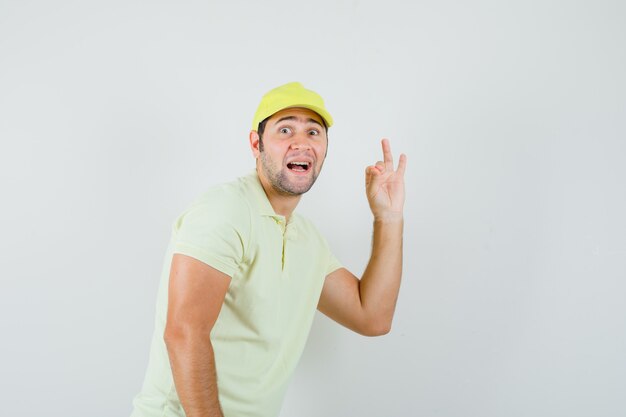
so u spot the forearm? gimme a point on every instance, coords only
(380, 282)
(193, 367)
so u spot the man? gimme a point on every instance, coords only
(244, 273)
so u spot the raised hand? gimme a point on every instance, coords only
(384, 186)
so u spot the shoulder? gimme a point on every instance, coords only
(224, 203)
(230, 196)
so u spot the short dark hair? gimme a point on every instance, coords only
(261, 130)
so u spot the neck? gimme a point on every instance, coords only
(283, 204)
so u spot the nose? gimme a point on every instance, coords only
(300, 142)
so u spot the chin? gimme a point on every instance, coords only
(298, 187)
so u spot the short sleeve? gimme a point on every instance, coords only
(214, 231)
(333, 264)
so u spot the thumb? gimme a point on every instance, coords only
(372, 174)
(368, 175)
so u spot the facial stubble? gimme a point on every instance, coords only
(279, 179)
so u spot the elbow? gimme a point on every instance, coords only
(169, 336)
(178, 336)
(376, 329)
(172, 336)
(381, 331)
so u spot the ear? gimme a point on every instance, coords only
(254, 143)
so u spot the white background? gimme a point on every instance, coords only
(115, 115)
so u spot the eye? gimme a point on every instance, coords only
(285, 130)
(314, 132)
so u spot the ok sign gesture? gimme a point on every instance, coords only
(384, 186)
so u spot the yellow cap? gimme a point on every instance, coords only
(290, 95)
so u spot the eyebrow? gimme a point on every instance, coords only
(311, 120)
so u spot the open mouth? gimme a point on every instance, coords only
(299, 166)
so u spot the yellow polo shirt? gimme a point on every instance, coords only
(277, 271)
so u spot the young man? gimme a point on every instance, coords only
(244, 273)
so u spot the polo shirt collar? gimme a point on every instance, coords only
(260, 199)
(262, 203)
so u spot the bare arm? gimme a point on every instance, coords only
(196, 294)
(367, 305)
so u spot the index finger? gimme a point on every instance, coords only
(387, 156)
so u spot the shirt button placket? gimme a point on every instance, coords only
(280, 222)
